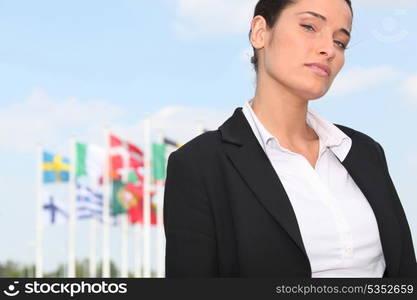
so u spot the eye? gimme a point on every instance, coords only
(308, 27)
(341, 45)
(311, 29)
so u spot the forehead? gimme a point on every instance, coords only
(336, 12)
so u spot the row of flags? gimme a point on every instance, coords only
(126, 174)
(116, 184)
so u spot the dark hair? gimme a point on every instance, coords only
(271, 10)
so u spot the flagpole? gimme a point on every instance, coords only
(137, 250)
(93, 242)
(159, 220)
(146, 201)
(71, 212)
(200, 127)
(167, 154)
(124, 220)
(124, 246)
(106, 208)
(39, 221)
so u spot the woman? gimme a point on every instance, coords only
(278, 191)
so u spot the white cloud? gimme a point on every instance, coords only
(360, 78)
(409, 87)
(39, 119)
(196, 18)
(179, 123)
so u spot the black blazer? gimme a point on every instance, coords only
(226, 213)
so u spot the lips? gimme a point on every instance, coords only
(323, 67)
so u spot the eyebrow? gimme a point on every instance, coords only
(345, 31)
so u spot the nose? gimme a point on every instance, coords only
(326, 48)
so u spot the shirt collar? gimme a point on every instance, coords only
(330, 136)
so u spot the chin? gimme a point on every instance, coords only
(315, 97)
(313, 91)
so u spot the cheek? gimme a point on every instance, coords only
(285, 54)
(338, 65)
(295, 46)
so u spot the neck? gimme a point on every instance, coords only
(282, 113)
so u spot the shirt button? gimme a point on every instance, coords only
(348, 250)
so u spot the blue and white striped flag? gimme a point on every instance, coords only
(89, 203)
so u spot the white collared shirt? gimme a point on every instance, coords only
(337, 224)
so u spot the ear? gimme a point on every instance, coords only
(258, 32)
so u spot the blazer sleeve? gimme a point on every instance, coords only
(408, 264)
(188, 223)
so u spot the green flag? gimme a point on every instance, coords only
(158, 161)
(81, 161)
(89, 160)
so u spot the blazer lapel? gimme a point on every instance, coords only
(256, 170)
(249, 159)
(366, 170)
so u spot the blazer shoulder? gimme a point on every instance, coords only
(201, 146)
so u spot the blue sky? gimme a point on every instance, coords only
(69, 68)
